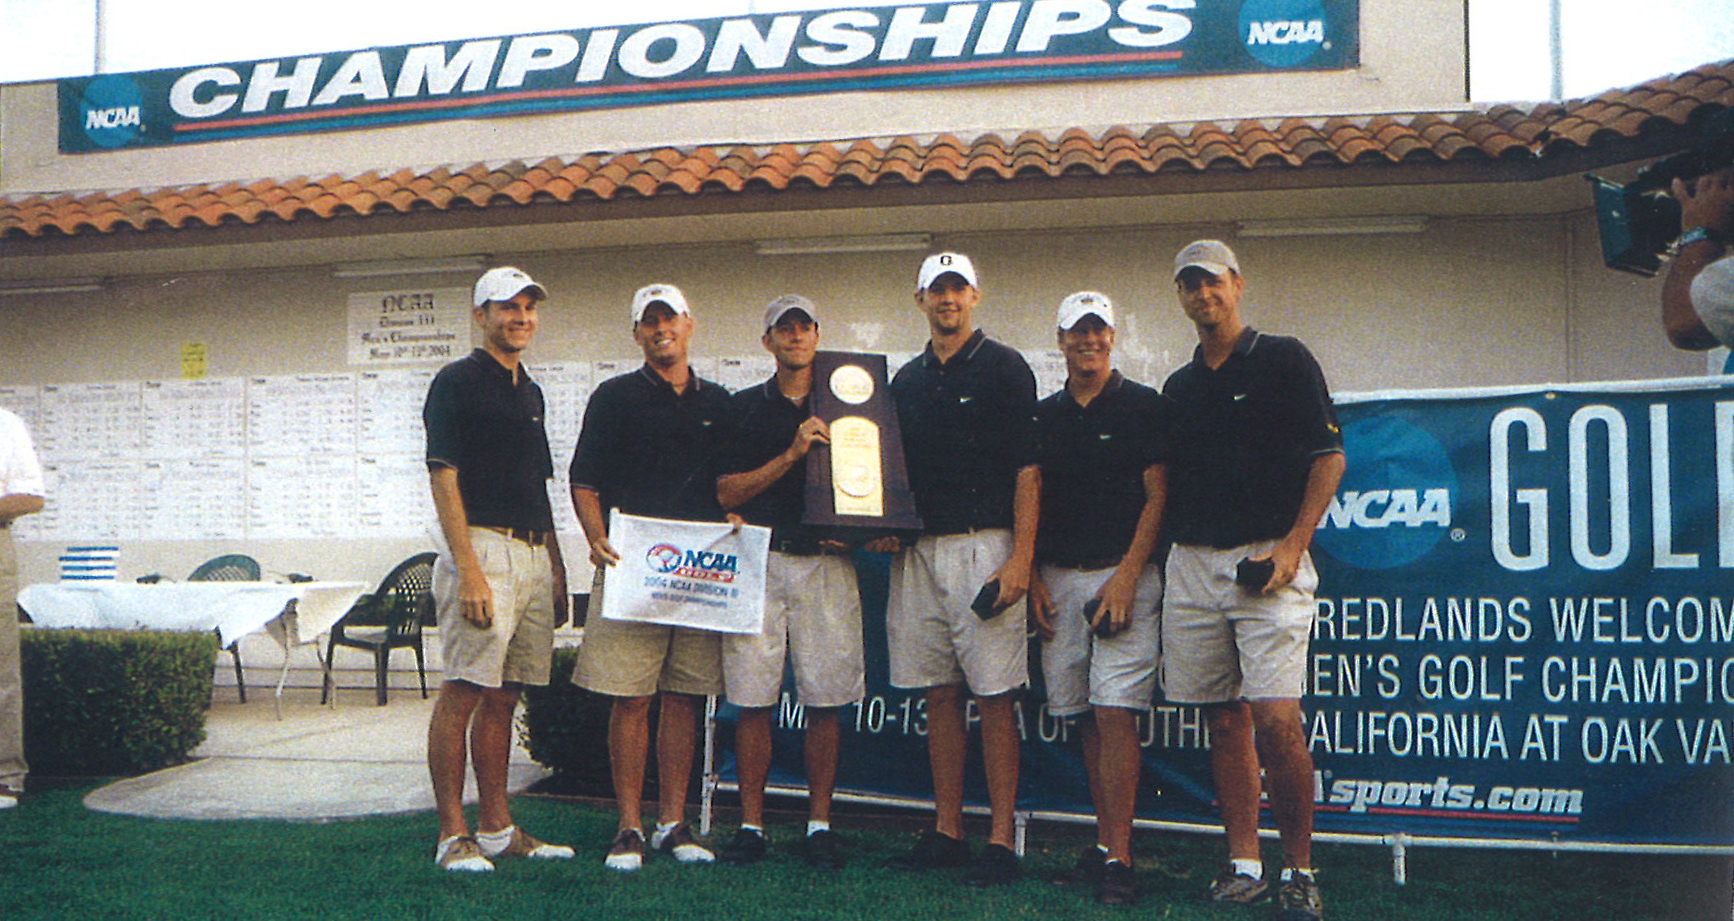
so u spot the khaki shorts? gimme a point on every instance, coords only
(813, 618)
(518, 647)
(628, 659)
(1083, 670)
(1221, 642)
(935, 638)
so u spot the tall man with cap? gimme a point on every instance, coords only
(1259, 455)
(1104, 443)
(648, 447)
(21, 492)
(812, 604)
(499, 586)
(966, 406)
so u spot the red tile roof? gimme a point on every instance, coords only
(1616, 124)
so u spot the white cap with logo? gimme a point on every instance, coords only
(775, 310)
(942, 263)
(668, 295)
(1082, 304)
(1212, 256)
(504, 283)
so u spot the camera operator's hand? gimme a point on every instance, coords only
(1707, 202)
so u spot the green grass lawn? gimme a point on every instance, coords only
(61, 861)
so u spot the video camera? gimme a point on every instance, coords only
(1640, 220)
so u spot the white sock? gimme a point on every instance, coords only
(1289, 872)
(814, 825)
(755, 829)
(1252, 868)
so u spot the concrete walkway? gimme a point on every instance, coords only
(316, 763)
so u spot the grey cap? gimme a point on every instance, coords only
(1212, 256)
(774, 310)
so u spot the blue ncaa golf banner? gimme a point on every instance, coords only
(815, 51)
(1525, 630)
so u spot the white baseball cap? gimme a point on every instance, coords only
(1082, 304)
(1212, 256)
(774, 310)
(503, 283)
(658, 294)
(942, 263)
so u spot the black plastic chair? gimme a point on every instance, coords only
(390, 618)
(230, 567)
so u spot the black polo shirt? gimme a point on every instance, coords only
(490, 430)
(764, 426)
(968, 427)
(649, 450)
(1249, 432)
(1093, 460)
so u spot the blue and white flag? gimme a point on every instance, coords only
(699, 574)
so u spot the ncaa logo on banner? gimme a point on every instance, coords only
(110, 110)
(1283, 33)
(1395, 500)
(663, 558)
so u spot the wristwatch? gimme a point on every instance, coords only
(1697, 234)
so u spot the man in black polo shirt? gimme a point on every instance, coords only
(812, 604)
(966, 406)
(1103, 449)
(1259, 457)
(499, 585)
(648, 447)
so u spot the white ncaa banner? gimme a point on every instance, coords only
(697, 574)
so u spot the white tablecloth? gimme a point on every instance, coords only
(233, 609)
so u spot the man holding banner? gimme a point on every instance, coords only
(648, 447)
(1258, 456)
(499, 586)
(812, 604)
(1103, 452)
(966, 407)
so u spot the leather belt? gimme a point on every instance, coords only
(525, 535)
(795, 546)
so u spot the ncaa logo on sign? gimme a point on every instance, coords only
(664, 557)
(109, 111)
(1395, 500)
(1283, 33)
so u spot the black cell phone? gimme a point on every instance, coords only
(1254, 574)
(983, 605)
(1105, 629)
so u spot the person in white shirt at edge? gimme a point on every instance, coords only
(21, 492)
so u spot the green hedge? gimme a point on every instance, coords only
(565, 728)
(114, 702)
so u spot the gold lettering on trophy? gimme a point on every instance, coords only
(857, 482)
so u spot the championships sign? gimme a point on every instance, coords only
(817, 51)
(1525, 630)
